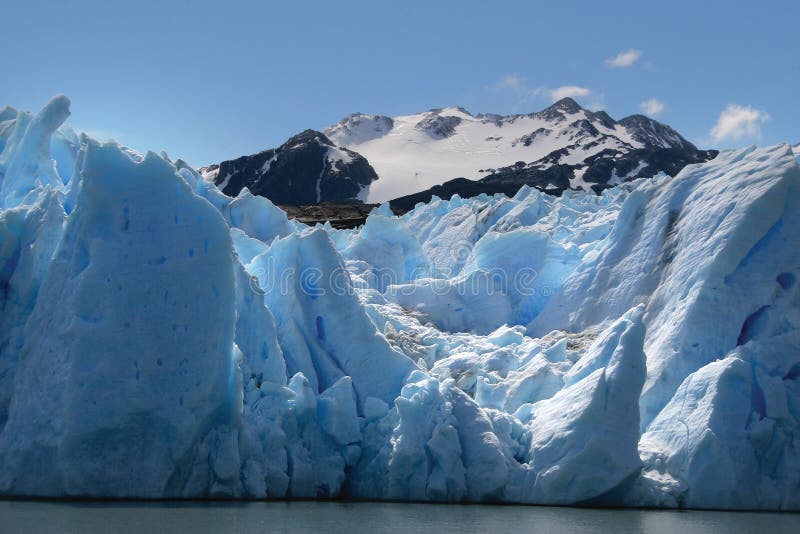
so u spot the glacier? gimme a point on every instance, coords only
(159, 339)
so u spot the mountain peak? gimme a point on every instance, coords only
(306, 136)
(565, 104)
(652, 133)
(359, 127)
(451, 110)
(636, 118)
(307, 169)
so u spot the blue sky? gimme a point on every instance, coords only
(210, 80)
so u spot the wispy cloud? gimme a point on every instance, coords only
(510, 81)
(737, 122)
(597, 104)
(652, 107)
(519, 86)
(624, 59)
(515, 85)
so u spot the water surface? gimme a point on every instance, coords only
(249, 517)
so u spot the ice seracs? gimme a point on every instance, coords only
(25, 160)
(584, 438)
(159, 338)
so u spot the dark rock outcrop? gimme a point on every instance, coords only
(307, 169)
(600, 171)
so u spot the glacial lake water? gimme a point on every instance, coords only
(329, 517)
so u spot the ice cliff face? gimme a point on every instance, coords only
(161, 339)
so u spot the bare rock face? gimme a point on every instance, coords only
(307, 169)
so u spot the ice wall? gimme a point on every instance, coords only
(126, 360)
(159, 339)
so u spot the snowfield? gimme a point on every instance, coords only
(160, 339)
(412, 153)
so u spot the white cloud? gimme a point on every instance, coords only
(624, 59)
(736, 122)
(595, 100)
(572, 91)
(652, 107)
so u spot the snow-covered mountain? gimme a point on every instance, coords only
(374, 158)
(564, 144)
(306, 169)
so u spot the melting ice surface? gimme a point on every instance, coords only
(159, 339)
